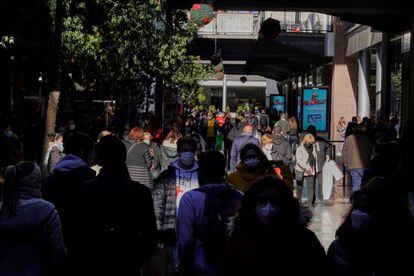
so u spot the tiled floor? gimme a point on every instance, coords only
(327, 219)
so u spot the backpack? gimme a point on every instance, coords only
(264, 120)
(221, 204)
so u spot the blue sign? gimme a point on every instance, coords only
(315, 108)
(277, 102)
(299, 110)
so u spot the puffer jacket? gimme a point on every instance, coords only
(31, 242)
(281, 150)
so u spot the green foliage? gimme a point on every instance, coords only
(121, 43)
(396, 81)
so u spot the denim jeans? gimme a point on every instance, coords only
(356, 175)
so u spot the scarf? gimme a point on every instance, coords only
(311, 158)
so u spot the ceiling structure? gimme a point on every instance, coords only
(387, 16)
(280, 59)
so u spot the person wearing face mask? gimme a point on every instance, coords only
(246, 137)
(180, 177)
(376, 235)
(69, 129)
(305, 168)
(139, 160)
(269, 233)
(253, 164)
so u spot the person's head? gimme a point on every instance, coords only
(237, 123)
(147, 138)
(136, 134)
(71, 124)
(369, 213)
(252, 158)
(311, 130)
(263, 111)
(173, 136)
(277, 130)
(20, 181)
(111, 152)
(354, 120)
(308, 139)
(282, 116)
(227, 121)
(212, 167)
(270, 28)
(342, 120)
(186, 147)
(79, 144)
(103, 134)
(269, 203)
(266, 139)
(59, 138)
(248, 129)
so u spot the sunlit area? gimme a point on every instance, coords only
(211, 137)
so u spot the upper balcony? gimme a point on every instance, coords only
(246, 25)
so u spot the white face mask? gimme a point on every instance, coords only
(72, 126)
(268, 147)
(148, 142)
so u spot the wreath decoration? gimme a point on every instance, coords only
(201, 14)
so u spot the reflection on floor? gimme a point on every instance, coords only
(327, 219)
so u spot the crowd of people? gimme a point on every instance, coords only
(218, 195)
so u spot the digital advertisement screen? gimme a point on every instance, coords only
(299, 110)
(315, 108)
(277, 102)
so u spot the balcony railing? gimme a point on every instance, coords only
(247, 24)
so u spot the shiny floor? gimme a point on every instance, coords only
(327, 219)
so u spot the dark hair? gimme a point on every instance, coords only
(247, 219)
(264, 162)
(278, 129)
(212, 166)
(11, 189)
(111, 152)
(312, 130)
(186, 141)
(79, 144)
(270, 28)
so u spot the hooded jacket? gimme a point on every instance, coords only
(242, 179)
(31, 241)
(281, 150)
(294, 249)
(169, 187)
(63, 188)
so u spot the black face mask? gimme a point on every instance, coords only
(308, 145)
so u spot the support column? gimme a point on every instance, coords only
(382, 77)
(344, 81)
(378, 86)
(410, 110)
(224, 102)
(363, 84)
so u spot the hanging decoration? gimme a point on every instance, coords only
(201, 14)
(218, 66)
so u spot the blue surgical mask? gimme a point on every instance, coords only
(360, 220)
(251, 162)
(267, 212)
(187, 158)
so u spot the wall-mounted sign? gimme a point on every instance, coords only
(277, 102)
(315, 108)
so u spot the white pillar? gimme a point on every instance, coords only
(379, 90)
(224, 102)
(363, 84)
